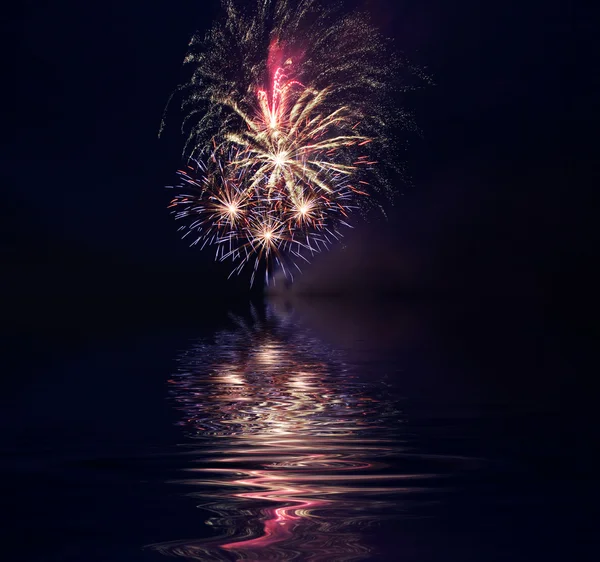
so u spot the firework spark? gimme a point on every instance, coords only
(284, 112)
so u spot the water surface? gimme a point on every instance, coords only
(316, 430)
(293, 451)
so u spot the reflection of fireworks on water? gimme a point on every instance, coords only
(275, 171)
(290, 447)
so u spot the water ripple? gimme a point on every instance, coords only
(291, 449)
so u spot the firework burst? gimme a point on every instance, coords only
(284, 113)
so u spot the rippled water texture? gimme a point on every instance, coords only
(290, 447)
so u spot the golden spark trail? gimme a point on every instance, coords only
(274, 172)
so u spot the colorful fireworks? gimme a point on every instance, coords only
(284, 113)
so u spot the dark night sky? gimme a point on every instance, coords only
(100, 292)
(502, 178)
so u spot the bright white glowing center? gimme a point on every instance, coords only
(280, 158)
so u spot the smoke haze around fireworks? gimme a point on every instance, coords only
(287, 117)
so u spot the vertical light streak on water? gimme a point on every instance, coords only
(290, 447)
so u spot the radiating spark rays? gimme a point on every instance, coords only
(249, 223)
(285, 110)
